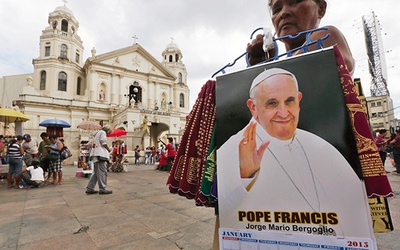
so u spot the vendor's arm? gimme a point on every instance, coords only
(336, 38)
(256, 53)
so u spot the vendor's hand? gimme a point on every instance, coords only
(255, 51)
(249, 156)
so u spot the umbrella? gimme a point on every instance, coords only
(117, 133)
(89, 125)
(55, 123)
(11, 115)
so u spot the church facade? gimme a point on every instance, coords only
(126, 88)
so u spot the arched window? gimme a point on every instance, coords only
(62, 81)
(176, 57)
(170, 58)
(63, 51)
(78, 86)
(180, 77)
(181, 100)
(64, 25)
(43, 80)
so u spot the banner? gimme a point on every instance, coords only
(287, 157)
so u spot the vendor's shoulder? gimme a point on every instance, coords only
(333, 32)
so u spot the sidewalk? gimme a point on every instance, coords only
(391, 240)
(140, 214)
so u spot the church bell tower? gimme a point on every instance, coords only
(172, 59)
(58, 69)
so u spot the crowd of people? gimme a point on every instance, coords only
(42, 161)
(26, 157)
(164, 155)
(389, 146)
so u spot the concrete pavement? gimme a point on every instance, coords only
(140, 214)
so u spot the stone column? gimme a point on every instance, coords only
(146, 141)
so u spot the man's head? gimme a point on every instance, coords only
(382, 132)
(44, 136)
(275, 102)
(27, 137)
(107, 129)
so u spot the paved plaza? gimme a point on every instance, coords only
(140, 214)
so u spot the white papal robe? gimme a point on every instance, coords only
(305, 176)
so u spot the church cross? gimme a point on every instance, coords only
(135, 37)
(65, 2)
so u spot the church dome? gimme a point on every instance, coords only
(64, 9)
(172, 45)
(172, 53)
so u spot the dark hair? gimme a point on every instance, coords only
(12, 141)
(53, 137)
(44, 134)
(19, 138)
(382, 131)
(35, 162)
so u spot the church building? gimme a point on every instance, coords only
(126, 88)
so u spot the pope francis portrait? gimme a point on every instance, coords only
(273, 176)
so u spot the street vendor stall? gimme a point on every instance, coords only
(83, 157)
(119, 162)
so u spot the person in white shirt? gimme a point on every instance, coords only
(100, 155)
(33, 175)
(31, 148)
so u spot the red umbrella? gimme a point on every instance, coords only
(117, 133)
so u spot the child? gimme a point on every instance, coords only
(33, 175)
(137, 157)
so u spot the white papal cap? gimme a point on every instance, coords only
(268, 73)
